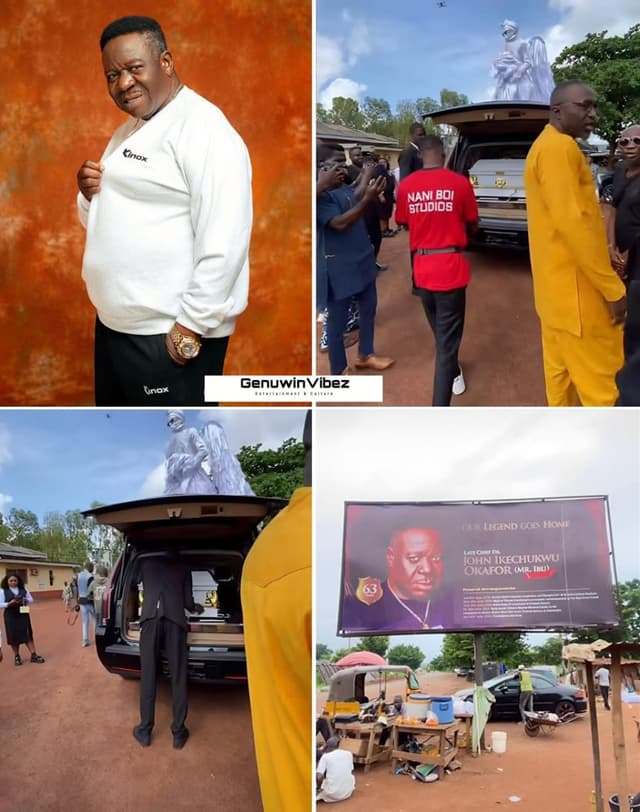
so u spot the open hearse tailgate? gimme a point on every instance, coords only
(151, 518)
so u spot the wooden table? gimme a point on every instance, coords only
(467, 718)
(363, 740)
(441, 736)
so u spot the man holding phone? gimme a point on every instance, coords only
(348, 266)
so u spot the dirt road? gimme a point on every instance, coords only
(67, 743)
(501, 354)
(547, 774)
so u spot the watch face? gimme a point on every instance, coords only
(189, 348)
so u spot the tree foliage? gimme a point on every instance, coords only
(66, 537)
(549, 653)
(375, 114)
(323, 652)
(499, 647)
(439, 664)
(274, 473)
(628, 601)
(611, 65)
(457, 650)
(405, 655)
(509, 648)
(376, 644)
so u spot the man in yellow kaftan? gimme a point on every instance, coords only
(276, 607)
(579, 298)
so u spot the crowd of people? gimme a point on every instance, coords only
(584, 254)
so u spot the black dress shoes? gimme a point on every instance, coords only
(142, 737)
(180, 739)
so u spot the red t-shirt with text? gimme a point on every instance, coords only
(437, 204)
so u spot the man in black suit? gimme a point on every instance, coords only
(359, 160)
(410, 159)
(168, 591)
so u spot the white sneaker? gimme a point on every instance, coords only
(458, 387)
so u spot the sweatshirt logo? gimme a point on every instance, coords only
(160, 390)
(128, 154)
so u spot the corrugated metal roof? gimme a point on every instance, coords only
(11, 551)
(337, 132)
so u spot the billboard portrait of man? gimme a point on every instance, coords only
(411, 597)
(466, 566)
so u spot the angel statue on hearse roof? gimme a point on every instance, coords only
(201, 462)
(522, 70)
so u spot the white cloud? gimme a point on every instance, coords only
(341, 87)
(330, 60)
(4, 501)
(269, 427)
(581, 17)
(5, 443)
(153, 484)
(335, 55)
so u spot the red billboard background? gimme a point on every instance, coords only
(537, 565)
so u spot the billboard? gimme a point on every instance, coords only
(459, 566)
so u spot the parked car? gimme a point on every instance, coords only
(547, 696)
(493, 139)
(212, 535)
(462, 672)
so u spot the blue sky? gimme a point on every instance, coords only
(462, 454)
(405, 50)
(58, 460)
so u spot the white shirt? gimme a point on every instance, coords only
(602, 675)
(168, 233)
(337, 768)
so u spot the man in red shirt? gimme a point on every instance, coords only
(440, 209)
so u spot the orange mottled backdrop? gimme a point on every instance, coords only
(252, 58)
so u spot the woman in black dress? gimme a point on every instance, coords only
(385, 206)
(15, 600)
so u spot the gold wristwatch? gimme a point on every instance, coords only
(186, 346)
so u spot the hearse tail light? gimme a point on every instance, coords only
(106, 605)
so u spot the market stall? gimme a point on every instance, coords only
(587, 655)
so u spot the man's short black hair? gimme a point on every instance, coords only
(415, 128)
(560, 89)
(430, 142)
(135, 25)
(325, 152)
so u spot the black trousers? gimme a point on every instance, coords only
(444, 310)
(156, 635)
(133, 370)
(604, 690)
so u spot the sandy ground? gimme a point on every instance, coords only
(67, 744)
(547, 774)
(501, 353)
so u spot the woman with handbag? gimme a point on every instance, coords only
(15, 600)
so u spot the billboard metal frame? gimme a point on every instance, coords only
(440, 502)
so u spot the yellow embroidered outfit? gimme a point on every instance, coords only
(572, 276)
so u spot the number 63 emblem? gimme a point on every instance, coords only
(369, 590)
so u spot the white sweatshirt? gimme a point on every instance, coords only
(168, 233)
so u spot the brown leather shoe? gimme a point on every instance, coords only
(378, 362)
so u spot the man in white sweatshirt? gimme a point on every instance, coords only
(168, 214)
